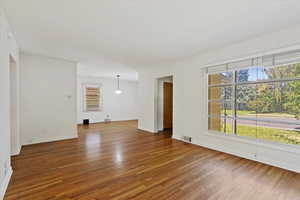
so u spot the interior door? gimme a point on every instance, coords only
(168, 105)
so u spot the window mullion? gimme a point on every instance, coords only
(234, 106)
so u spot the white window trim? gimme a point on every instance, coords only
(259, 142)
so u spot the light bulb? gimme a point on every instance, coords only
(118, 91)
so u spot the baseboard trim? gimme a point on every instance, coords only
(51, 140)
(249, 156)
(15, 153)
(103, 122)
(145, 131)
(5, 183)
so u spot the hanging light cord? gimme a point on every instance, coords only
(118, 77)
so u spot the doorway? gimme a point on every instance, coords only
(165, 104)
(168, 106)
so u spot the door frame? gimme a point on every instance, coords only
(158, 124)
(14, 96)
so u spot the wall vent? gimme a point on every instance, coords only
(187, 138)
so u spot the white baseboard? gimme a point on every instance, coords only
(102, 121)
(54, 139)
(281, 163)
(16, 152)
(5, 183)
(147, 130)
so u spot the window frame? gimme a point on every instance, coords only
(92, 85)
(233, 135)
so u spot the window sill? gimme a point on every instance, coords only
(260, 143)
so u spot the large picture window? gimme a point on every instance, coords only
(261, 102)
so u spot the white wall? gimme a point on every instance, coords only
(15, 106)
(8, 47)
(160, 102)
(189, 114)
(118, 107)
(48, 99)
(148, 96)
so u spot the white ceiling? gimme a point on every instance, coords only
(142, 31)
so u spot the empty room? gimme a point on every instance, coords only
(138, 100)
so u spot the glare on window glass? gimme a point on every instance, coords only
(250, 74)
(220, 108)
(280, 72)
(220, 78)
(223, 124)
(220, 93)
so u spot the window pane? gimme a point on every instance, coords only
(291, 98)
(246, 128)
(244, 75)
(280, 72)
(260, 73)
(223, 124)
(220, 93)
(278, 108)
(221, 78)
(278, 100)
(279, 132)
(92, 98)
(220, 108)
(249, 74)
(245, 100)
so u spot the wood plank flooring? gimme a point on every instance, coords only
(116, 161)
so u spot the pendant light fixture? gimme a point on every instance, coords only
(118, 90)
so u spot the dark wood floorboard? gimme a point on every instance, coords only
(116, 161)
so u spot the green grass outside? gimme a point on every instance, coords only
(245, 112)
(269, 134)
(265, 133)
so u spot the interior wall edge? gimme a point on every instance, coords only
(4, 185)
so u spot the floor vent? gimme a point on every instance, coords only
(86, 122)
(107, 119)
(187, 138)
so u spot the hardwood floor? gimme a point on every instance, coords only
(115, 161)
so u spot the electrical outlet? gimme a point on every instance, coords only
(187, 138)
